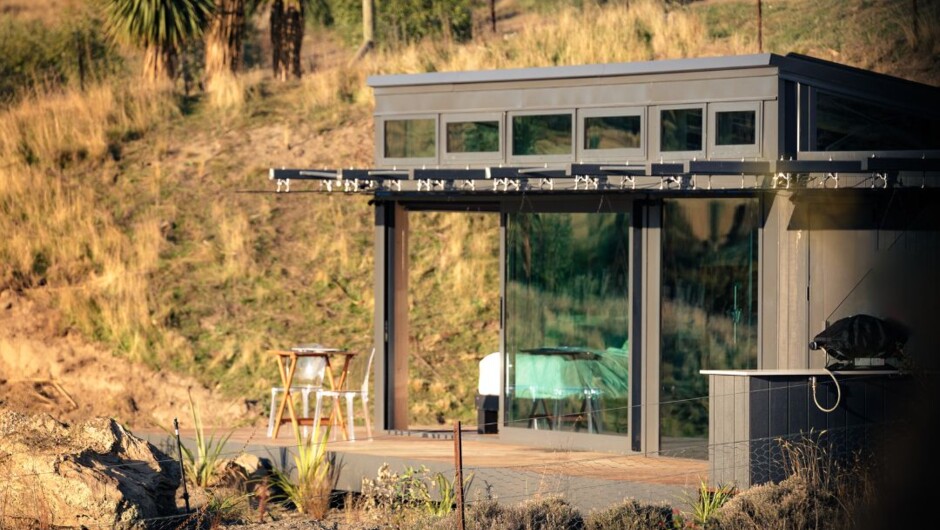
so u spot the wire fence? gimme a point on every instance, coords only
(588, 480)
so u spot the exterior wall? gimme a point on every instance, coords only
(753, 417)
(824, 254)
(728, 429)
(756, 86)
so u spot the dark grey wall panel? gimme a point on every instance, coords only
(782, 410)
(779, 427)
(797, 407)
(760, 430)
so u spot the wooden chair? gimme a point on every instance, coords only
(308, 378)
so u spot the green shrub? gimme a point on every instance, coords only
(630, 514)
(399, 22)
(72, 52)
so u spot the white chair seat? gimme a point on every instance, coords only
(349, 396)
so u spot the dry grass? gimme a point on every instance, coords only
(54, 164)
(634, 31)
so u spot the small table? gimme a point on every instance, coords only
(287, 365)
(554, 388)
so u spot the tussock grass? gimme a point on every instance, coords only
(634, 31)
(55, 160)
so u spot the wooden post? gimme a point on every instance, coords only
(368, 20)
(493, 15)
(368, 30)
(760, 28)
(458, 479)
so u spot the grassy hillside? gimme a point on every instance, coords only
(143, 216)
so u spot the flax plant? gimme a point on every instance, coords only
(310, 492)
(709, 501)
(203, 466)
(161, 27)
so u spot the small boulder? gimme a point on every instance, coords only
(94, 474)
(244, 471)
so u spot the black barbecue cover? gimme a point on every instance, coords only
(861, 336)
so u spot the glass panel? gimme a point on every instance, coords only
(410, 138)
(612, 132)
(567, 340)
(848, 124)
(736, 127)
(473, 137)
(548, 134)
(709, 309)
(680, 130)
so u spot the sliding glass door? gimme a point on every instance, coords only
(708, 309)
(567, 322)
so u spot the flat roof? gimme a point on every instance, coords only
(793, 66)
(568, 72)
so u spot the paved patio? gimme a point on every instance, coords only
(509, 472)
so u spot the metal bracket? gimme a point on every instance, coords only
(627, 178)
(506, 183)
(665, 181)
(588, 181)
(430, 184)
(833, 176)
(882, 177)
(285, 183)
(543, 181)
(785, 177)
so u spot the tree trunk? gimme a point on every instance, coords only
(159, 63)
(287, 35)
(493, 15)
(368, 29)
(760, 28)
(277, 29)
(224, 38)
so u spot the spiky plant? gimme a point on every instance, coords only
(310, 492)
(160, 27)
(202, 466)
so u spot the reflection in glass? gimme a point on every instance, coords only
(567, 301)
(680, 130)
(737, 127)
(849, 124)
(410, 138)
(548, 134)
(612, 132)
(473, 137)
(709, 309)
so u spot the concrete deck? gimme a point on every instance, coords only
(508, 472)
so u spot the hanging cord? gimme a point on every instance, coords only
(812, 380)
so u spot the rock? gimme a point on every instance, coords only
(244, 471)
(94, 474)
(254, 467)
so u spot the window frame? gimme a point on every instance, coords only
(380, 157)
(540, 159)
(627, 153)
(657, 123)
(740, 150)
(491, 157)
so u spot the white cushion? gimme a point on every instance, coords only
(490, 368)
